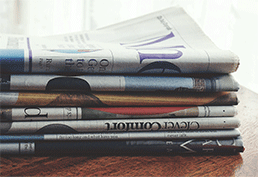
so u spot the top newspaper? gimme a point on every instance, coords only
(164, 42)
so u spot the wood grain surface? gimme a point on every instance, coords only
(244, 164)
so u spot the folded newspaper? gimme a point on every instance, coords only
(120, 83)
(167, 41)
(123, 147)
(94, 113)
(112, 99)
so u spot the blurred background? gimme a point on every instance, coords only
(231, 24)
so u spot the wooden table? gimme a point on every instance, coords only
(244, 164)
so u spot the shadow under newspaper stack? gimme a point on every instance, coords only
(123, 90)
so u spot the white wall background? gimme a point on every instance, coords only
(231, 24)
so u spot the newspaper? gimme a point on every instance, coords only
(172, 135)
(107, 99)
(140, 147)
(167, 41)
(79, 113)
(119, 125)
(87, 83)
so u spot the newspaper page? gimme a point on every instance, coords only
(167, 41)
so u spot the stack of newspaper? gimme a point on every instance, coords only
(151, 85)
